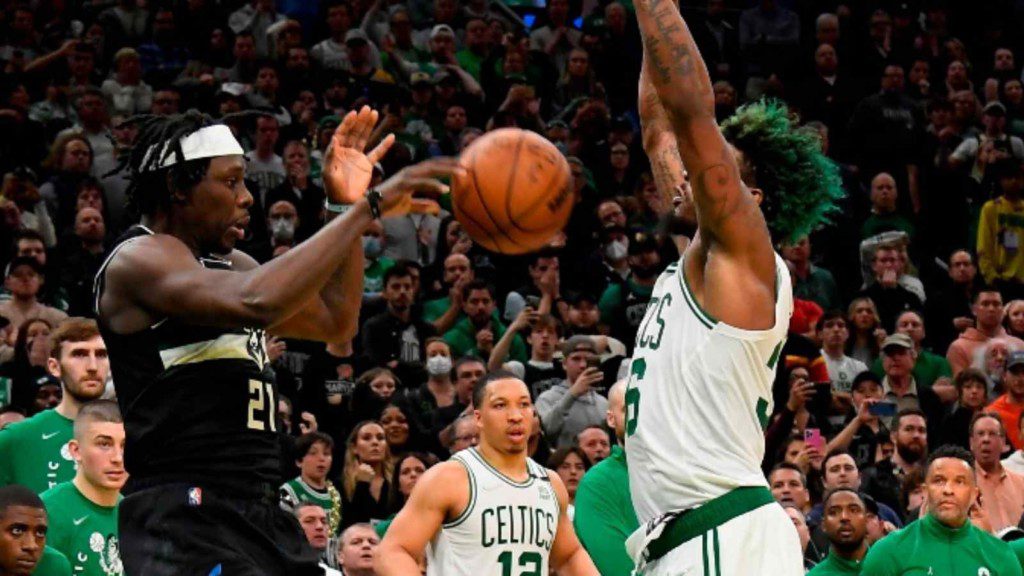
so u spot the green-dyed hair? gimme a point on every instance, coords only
(801, 185)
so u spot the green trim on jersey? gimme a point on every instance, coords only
(472, 498)
(525, 484)
(705, 519)
(705, 318)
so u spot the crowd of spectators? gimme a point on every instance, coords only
(909, 316)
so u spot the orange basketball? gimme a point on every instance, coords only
(517, 193)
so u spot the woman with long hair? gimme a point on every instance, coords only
(578, 81)
(69, 162)
(372, 392)
(31, 350)
(400, 430)
(366, 476)
(408, 470)
(571, 464)
(1013, 318)
(866, 332)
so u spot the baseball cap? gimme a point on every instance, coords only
(419, 79)
(641, 241)
(995, 108)
(897, 340)
(865, 377)
(20, 261)
(869, 503)
(577, 298)
(1015, 358)
(579, 344)
(441, 29)
(356, 35)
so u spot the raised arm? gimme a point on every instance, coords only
(158, 276)
(734, 249)
(440, 495)
(659, 141)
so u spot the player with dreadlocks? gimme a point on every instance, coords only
(707, 351)
(184, 315)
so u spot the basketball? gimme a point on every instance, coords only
(516, 194)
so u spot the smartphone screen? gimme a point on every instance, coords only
(813, 438)
(883, 409)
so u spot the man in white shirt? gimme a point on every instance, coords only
(1015, 462)
(842, 369)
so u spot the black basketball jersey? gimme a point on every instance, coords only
(199, 403)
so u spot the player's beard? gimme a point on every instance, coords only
(78, 392)
(910, 453)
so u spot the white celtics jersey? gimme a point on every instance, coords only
(698, 398)
(506, 530)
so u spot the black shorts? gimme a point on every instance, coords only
(181, 530)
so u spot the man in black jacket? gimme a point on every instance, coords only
(395, 338)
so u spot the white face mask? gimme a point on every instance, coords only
(282, 229)
(439, 365)
(617, 250)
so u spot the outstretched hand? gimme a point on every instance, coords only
(347, 169)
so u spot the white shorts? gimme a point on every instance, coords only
(762, 542)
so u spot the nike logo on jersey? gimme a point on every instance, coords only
(80, 520)
(50, 435)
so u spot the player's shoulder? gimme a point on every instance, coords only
(58, 493)
(148, 254)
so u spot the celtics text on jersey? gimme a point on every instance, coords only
(711, 385)
(507, 529)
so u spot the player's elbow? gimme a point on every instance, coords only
(685, 106)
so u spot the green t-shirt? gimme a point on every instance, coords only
(1018, 548)
(604, 515)
(470, 62)
(878, 223)
(85, 532)
(434, 309)
(628, 300)
(926, 546)
(296, 490)
(462, 340)
(928, 368)
(373, 275)
(52, 563)
(34, 452)
(835, 566)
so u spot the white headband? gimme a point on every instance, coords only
(207, 142)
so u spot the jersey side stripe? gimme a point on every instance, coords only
(693, 305)
(472, 498)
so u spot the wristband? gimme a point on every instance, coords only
(336, 208)
(374, 197)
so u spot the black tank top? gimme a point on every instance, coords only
(199, 403)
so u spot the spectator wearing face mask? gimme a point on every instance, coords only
(375, 264)
(438, 391)
(623, 305)
(300, 189)
(282, 224)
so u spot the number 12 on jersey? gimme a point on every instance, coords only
(531, 559)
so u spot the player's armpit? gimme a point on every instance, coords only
(440, 495)
(568, 557)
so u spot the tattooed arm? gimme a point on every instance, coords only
(659, 141)
(734, 252)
